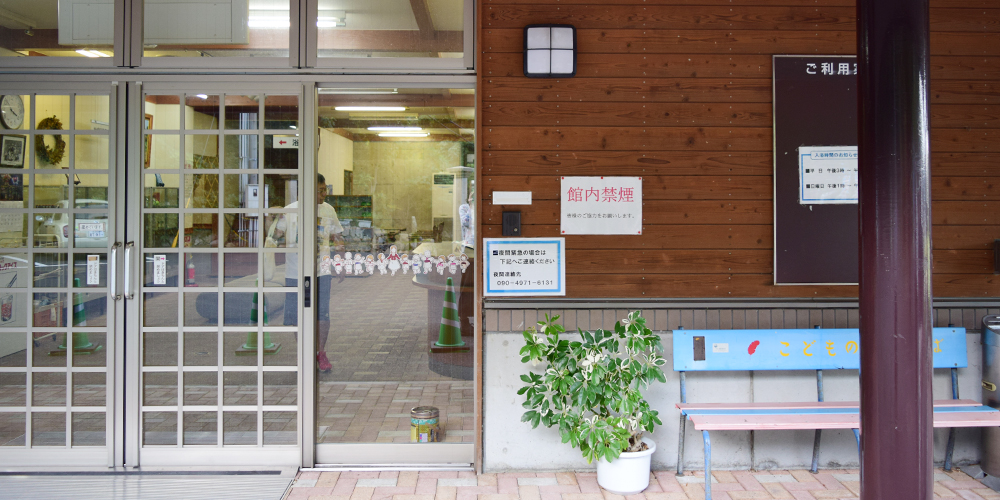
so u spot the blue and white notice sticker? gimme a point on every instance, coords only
(524, 266)
(828, 175)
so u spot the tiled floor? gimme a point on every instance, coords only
(664, 485)
(380, 411)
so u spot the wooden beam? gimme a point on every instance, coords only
(408, 100)
(424, 21)
(14, 39)
(375, 138)
(343, 133)
(391, 41)
(422, 123)
(276, 39)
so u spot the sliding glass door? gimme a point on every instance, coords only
(58, 313)
(217, 334)
(395, 248)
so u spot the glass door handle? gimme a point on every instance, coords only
(114, 271)
(128, 270)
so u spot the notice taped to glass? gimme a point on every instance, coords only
(524, 266)
(828, 175)
(601, 205)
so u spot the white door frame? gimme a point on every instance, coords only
(201, 455)
(97, 456)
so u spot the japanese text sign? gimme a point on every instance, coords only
(524, 266)
(828, 175)
(794, 349)
(601, 205)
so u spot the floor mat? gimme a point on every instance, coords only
(144, 486)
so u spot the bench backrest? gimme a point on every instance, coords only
(793, 349)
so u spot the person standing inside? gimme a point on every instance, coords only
(328, 234)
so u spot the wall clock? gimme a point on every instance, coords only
(11, 111)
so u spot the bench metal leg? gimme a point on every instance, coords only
(857, 438)
(680, 445)
(708, 466)
(951, 449)
(815, 464)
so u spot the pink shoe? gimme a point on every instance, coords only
(323, 363)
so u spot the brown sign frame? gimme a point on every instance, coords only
(813, 244)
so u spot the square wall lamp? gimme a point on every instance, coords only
(549, 50)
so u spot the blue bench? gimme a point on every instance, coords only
(802, 349)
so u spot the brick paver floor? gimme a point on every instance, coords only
(358, 412)
(663, 485)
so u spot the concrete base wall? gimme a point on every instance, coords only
(509, 444)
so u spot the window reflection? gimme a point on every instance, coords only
(396, 265)
(35, 28)
(391, 28)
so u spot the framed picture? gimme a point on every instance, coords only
(12, 151)
(147, 144)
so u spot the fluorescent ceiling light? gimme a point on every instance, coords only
(91, 53)
(261, 18)
(393, 116)
(202, 96)
(404, 134)
(331, 19)
(396, 129)
(369, 108)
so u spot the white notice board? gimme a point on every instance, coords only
(524, 266)
(601, 205)
(828, 175)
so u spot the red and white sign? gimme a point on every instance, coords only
(285, 142)
(601, 205)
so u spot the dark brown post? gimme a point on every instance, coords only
(895, 278)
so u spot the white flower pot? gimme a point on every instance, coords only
(629, 473)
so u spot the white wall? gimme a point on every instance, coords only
(336, 154)
(509, 444)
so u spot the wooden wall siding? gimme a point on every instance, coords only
(679, 92)
(664, 317)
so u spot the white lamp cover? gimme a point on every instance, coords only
(549, 51)
(538, 62)
(562, 38)
(538, 38)
(562, 62)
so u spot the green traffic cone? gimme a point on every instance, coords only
(81, 342)
(250, 347)
(450, 334)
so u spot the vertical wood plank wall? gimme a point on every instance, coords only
(679, 92)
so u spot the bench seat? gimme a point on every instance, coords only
(686, 408)
(964, 415)
(803, 349)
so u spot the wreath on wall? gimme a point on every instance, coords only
(52, 156)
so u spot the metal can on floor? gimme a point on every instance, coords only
(424, 425)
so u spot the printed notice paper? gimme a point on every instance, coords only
(524, 266)
(93, 269)
(159, 269)
(828, 175)
(601, 205)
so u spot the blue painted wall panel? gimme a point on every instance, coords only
(796, 349)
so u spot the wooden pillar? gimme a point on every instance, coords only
(895, 245)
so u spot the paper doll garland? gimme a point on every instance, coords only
(358, 264)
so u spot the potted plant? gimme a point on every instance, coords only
(591, 390)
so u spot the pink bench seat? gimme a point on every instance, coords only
(973, 417)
